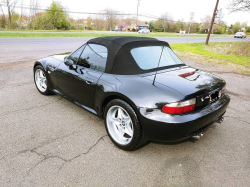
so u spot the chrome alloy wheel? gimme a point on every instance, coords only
(41, 81)
(119, 125)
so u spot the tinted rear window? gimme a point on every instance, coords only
(149, 57)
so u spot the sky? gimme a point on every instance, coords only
(179, 9)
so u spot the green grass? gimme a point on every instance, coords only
(29, 30)
(70, 34)
(229, 55)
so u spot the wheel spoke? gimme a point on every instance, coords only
(38, 75)
(115, 121)
(124, 116)
(121, 132)
(119, 114)
(41, 74)
(113, 118)
(127, 120)
(128, 132)
(44, 85)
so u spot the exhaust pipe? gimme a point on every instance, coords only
(220, 120)
(197, 136)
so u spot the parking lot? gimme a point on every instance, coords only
(49, 141)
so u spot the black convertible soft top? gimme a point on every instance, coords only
(120, 60)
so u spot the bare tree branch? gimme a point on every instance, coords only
(167, 20)
(11, 4)
(111, 18)
(239, 5)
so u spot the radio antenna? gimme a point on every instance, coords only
(158, 65)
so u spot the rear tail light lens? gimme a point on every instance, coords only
(222, 91)
(179, 107)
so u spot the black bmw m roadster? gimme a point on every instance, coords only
(139, 86)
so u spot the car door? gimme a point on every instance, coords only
(66, 73)
(87, 71)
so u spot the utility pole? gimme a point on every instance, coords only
(191, 20)
(212, 22)
(22, 9)
(138, 3)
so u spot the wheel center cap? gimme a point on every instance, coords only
(123, 123)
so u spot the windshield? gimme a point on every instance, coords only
(150, 57)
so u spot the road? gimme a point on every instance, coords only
(41, 47)
(48, 141)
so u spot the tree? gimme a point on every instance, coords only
(244, 24)
(2, 18)
(33, 11)
(151, 25)
(129, 21)
(121, 25)
(239, 5)
(89, 23)
(236, 27)
(167, 21)
(40, 21)
(158, 26)
(10, 4)
(219, 25)
(111, 18)
(99, 22)
(56, 17)
(205, 23)
(183, 25)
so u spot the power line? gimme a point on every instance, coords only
(74, 12)
(89, 13)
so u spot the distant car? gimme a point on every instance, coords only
(240, 35)
(144, 31)
(139, 86)
(115, 29)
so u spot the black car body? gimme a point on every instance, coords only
(94, 80)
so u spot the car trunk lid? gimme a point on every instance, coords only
(188, 81)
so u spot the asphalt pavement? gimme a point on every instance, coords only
(16, 49)
(49, 141)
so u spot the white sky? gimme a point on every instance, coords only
(180, 9)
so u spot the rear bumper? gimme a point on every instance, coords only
(159, 126)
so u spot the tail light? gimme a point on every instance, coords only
(179, 107)
(222, 91)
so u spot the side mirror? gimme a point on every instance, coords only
(84, 62)
(84, 65)
(68, 62)
(72, 67)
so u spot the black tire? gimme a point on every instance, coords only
(47, 90)
(138, 139)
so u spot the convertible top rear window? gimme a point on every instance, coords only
(149, 57)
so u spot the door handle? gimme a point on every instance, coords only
(89, 81)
